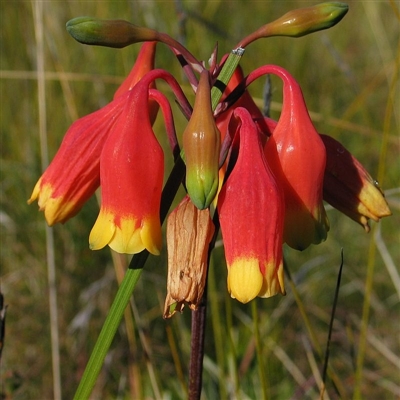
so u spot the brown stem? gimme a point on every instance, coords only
(199, 329)
(197, 348)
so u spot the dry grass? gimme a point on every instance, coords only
(350, 81)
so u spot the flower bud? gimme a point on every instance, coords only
(201, 144)
(301, 22)
(307, 20)
(189, 232)
(109, 33)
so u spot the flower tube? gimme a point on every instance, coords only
(251, 212)
(131, 175)
(297, 157)
(74, 174)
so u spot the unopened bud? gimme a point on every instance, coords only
(301, 22)
(108, 33)
(201, 144)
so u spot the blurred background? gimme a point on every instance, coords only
(349, 76)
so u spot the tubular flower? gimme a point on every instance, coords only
(201, 144)
(131, 175)
(251, 212)
(189, 232)
(349, 187)
(74, 174)
(297, 157)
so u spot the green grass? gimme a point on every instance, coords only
(348, 75)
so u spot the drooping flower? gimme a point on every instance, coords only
(131, 174)
(189, 232)
(201, 144)
(251, 212)
(297, 157)
(74, 174)
(349, 187)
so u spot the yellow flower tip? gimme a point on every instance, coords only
(273, 282)
(125, 237)
(36, 192)
(245, 280)
(150, 235)
(55, 209)
(102, 231)
(372, 198)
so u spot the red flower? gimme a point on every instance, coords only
(131, 172)
(297, 157)
(74, 174)
(251, 212)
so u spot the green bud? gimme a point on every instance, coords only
(303, 21)
(300, 22)
(201, 144)
(109, 33)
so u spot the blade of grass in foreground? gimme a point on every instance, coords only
(107, 333)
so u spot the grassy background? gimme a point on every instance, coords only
(349, 78)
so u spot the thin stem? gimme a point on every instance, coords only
(197, 348)
(168, 120)
(328, 344)
(260, 358)
(198, 331)
(51, 267)
(107, 334)
(189, 57)
(124, 293)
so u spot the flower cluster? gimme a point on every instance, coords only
(264, 180)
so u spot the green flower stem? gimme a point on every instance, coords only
(260, 359)
(107, 334)
(224, 77)
(124, 293)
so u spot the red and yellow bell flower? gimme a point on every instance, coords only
(251, 213)
(131, 177)
(74, 174)
(297, 157)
